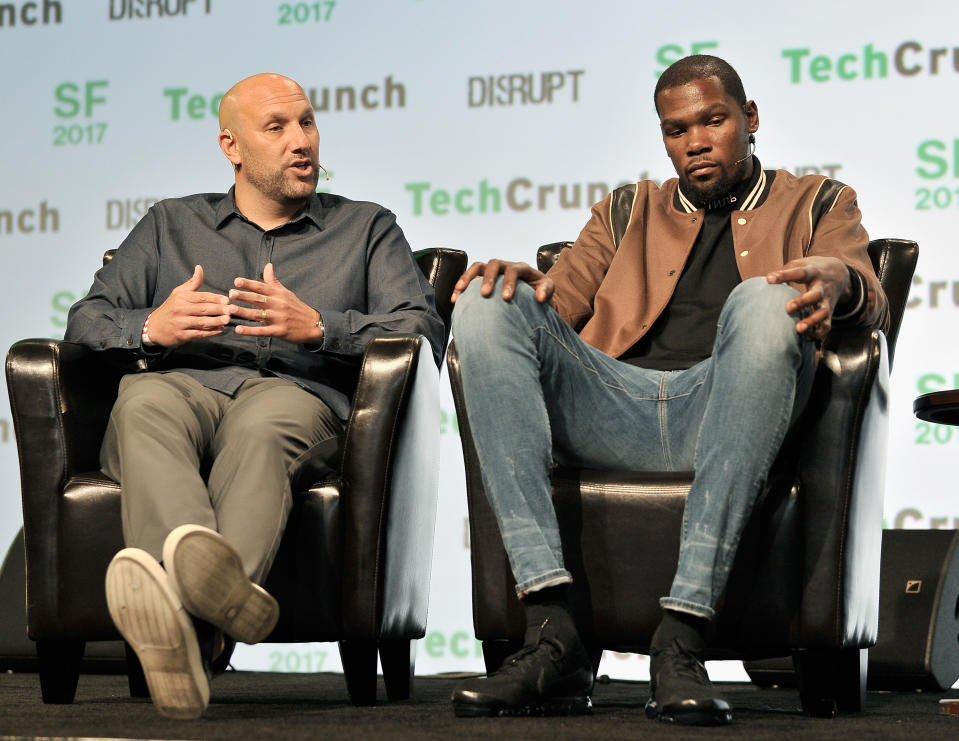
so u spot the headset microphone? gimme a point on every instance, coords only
(750, 148)
(324, 170)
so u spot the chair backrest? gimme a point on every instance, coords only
(894, 261)
(442, 268)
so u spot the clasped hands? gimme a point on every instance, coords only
(822, 282)
(189, 313)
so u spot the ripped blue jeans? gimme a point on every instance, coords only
(536, 392)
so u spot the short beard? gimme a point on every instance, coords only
(277, 188)
(727, 182)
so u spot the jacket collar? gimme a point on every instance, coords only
(745, 197)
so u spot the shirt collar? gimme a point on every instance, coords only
(227, 208)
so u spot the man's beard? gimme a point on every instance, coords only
(274, 184)
(714, 191)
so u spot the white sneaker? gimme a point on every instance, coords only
(151, 618)
(207, 575)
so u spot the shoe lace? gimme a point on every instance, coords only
(688, 665)
(514, 662)
(682, 663)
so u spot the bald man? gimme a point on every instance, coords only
(246, 315)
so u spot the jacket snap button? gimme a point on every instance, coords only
(672, 272)
(740, 221)
(744, 253)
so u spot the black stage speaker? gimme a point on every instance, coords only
(918, 642)
(17, 652)
(918, 646)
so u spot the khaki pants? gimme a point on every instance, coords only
(184, 454)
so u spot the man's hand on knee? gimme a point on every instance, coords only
(822, 282)
(511, 272)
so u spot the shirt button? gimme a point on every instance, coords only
(129, 341)
(744, 253)
(740, 221)
(693, 220)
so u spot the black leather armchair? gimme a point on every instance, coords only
(806, 577)
(354, 562)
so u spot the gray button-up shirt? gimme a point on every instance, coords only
(347, 259)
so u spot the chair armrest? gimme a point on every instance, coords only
(61, 395)
(442, 268)
(842, 476)
(548, 255)
(390, 477)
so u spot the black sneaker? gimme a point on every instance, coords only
(680, 690)
(551, 675)
(216, 648)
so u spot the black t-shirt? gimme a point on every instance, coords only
(684, 333)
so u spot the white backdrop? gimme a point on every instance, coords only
(486, 126)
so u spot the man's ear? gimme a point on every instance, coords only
(751, 111)
(230, 147)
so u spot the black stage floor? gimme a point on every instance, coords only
(253, 705)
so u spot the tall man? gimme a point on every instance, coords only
(682, 325)
(250, 311)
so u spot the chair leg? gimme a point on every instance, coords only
(398, 659)
(595, 657)
(359, 669)
(59, 664)
(135, 677)
(831, 680)
(852, 687)
(495, 652)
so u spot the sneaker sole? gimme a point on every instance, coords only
(557, 706)
(706, 717)
(149, 616)
(209, 579)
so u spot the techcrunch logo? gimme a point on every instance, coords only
(908, 59)
(522, 194)
(30, 220)
(914, 518)
(519, 194)
(186, 103)
(30, 14)
(933, 294)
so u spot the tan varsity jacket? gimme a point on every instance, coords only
(616, 279)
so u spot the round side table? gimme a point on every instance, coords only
(941, 407)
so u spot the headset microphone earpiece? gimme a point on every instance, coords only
(750, 148)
